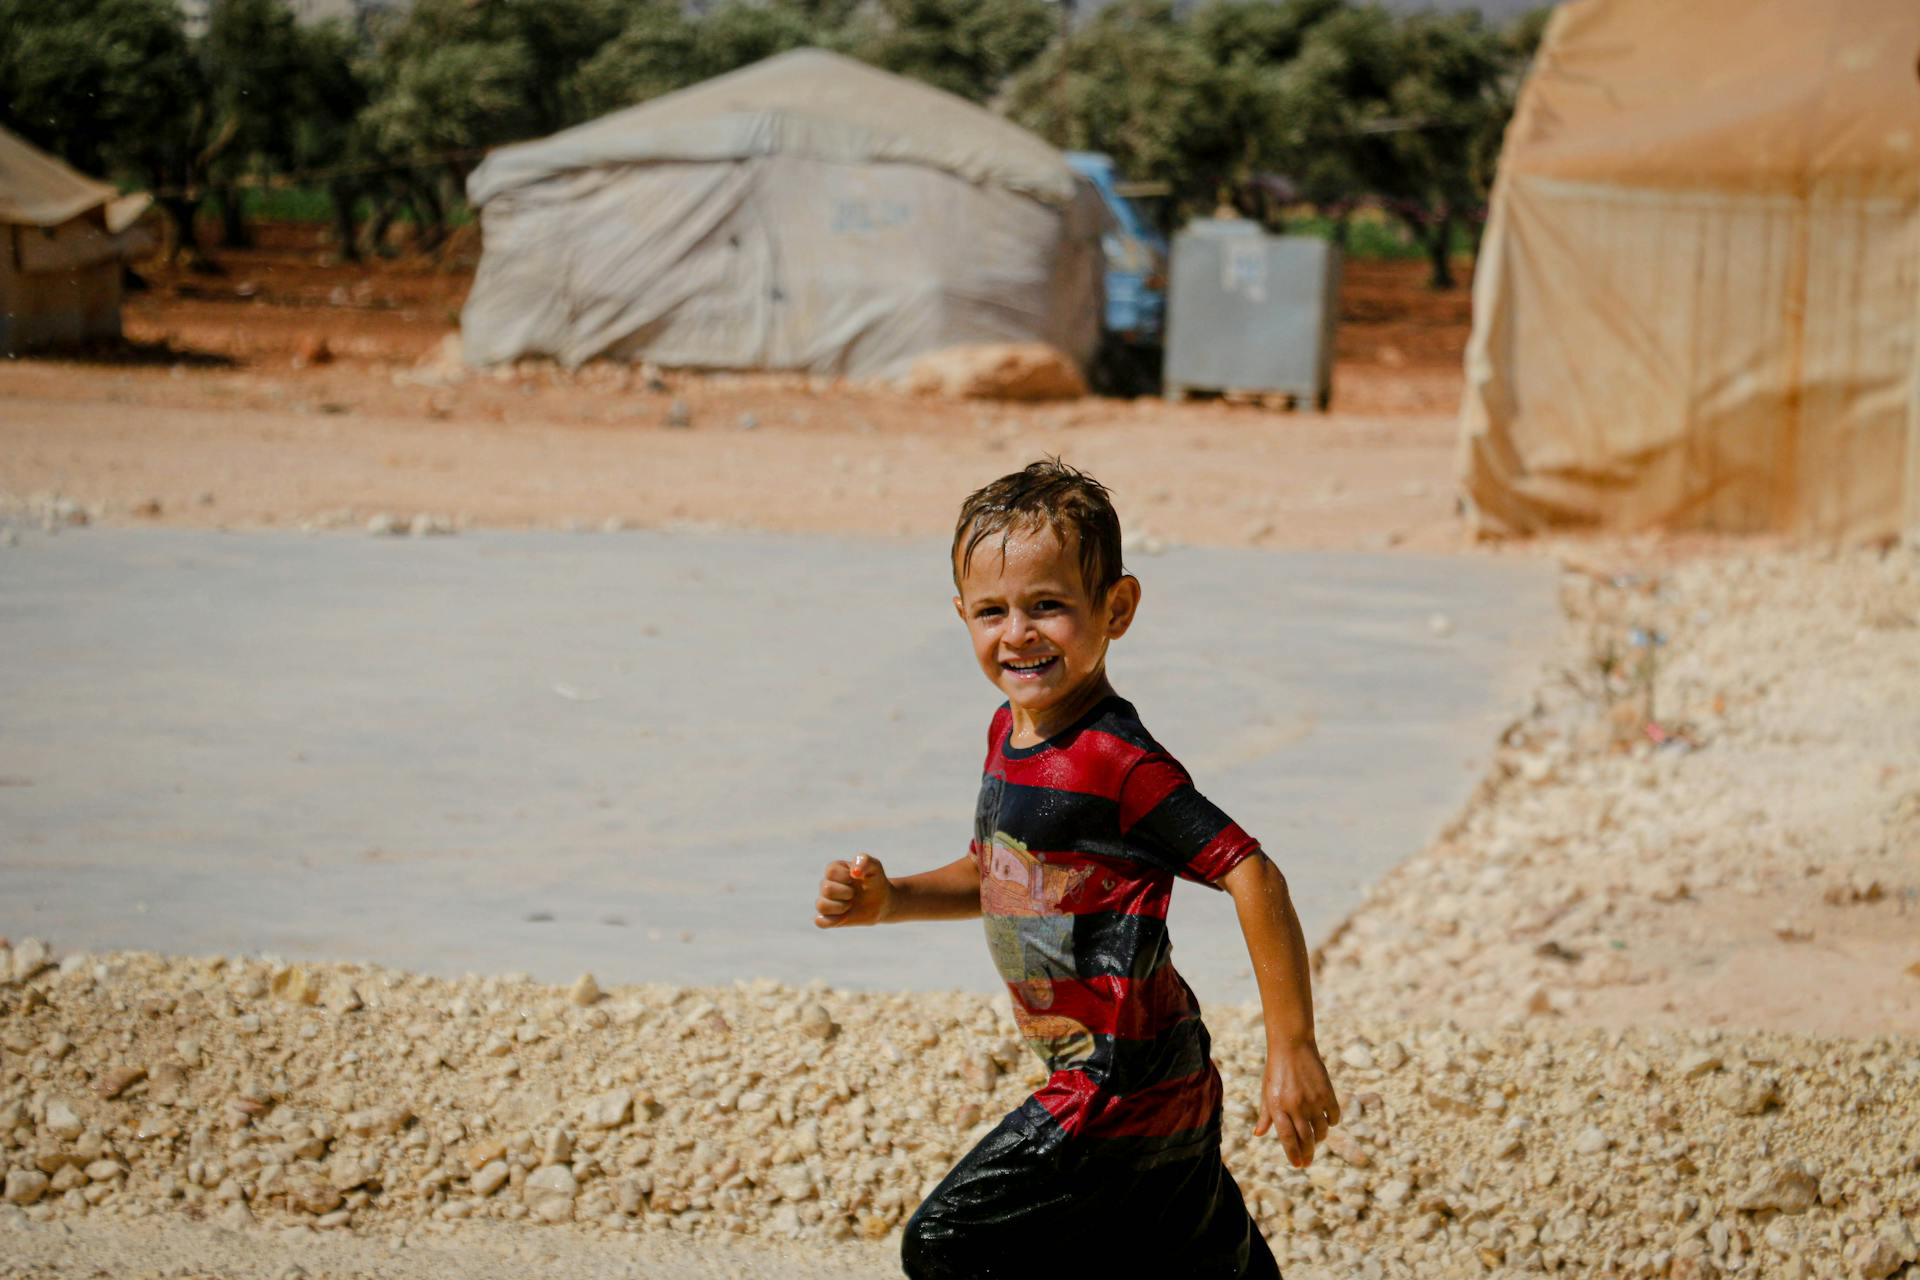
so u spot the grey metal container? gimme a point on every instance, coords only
(1251, 313)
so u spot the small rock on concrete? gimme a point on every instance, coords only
(30, 956)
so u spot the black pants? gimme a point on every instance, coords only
(1025, 1202)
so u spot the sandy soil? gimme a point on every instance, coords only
(288, 392)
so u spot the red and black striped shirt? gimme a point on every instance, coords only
(1078, 841)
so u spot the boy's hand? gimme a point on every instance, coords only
(856, 892)
(1297, 1101)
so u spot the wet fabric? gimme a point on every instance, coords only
(1079, 840)
(1028, 1201)
(1115, 1160)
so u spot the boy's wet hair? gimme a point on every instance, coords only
(1047, 494)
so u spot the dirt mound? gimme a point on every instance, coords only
(1005, 371)
(249, 1093)
(1709, 816)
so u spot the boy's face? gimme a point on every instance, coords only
(1039, 636)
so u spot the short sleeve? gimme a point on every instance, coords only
(1160, 806)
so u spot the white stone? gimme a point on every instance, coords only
(25, 1186)
(61, 1120)
(1697, 1063)
(553, 1180)
(1788, 1187)
(794, 1182)
(608, 1110)
(30, 956)
(489, 1177)
(376, 1121)
(1393, 1193)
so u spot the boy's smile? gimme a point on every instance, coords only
(1038, 634)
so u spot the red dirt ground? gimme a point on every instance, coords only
(290, 388)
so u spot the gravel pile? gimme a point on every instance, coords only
(350, 1099)
(1725, 772)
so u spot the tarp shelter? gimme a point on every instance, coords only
(808, 212)
(1698, 298)
(63, 237)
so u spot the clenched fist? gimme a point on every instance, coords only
(856, 892)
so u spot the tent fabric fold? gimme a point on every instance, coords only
(807, 102)
(37, 190)
(1698, 298)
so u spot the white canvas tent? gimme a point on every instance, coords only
(1698, 299)
(808, 212)
(63, 237)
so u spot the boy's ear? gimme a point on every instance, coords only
(959, 608)
(1123, 602)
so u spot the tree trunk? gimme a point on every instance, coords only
(180, 211)
(343, 197)
(1439, 239)
(430, 232)
(385, 210)
(234, 231)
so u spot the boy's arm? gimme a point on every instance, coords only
(860, 893)
(1296, 1098)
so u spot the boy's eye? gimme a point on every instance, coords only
(1046, 604)
(988, 611)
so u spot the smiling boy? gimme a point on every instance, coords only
(1083, 824)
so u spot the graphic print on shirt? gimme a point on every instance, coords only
(1032, 943)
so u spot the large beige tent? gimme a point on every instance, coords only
(807, 212)
(63, 237)
(1698, 301)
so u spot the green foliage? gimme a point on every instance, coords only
(1263, 33)
(967, 47)
(253, 60)
(661, 49)
(1138, 85)
(108, 85)
(315, 204)
(1369, 235)
(1406, 109)
(465, 74)
(652, 55)
(1347, 103)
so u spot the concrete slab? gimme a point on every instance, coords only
(632, 753)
